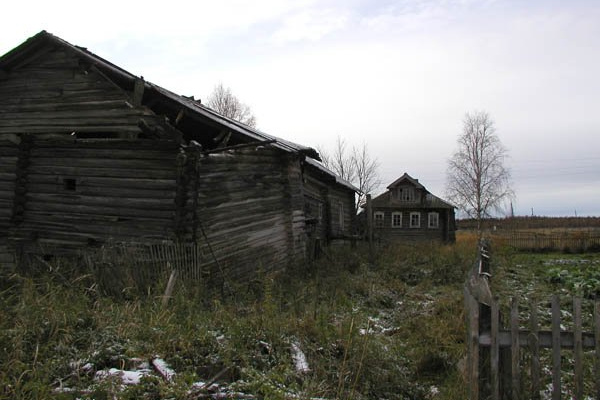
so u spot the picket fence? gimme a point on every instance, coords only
(497, 356)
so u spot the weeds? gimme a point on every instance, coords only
(390, 329)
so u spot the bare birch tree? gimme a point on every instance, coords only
(478, 181)
(354, 165)
(223, 101)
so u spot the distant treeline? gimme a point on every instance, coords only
(512, 223)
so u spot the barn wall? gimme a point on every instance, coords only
(336, 204)
(251, 219)
(297, 233)
(88, 192)
(76, 172)
(316, 207)
(9, 151)
(62, 190)
(341, 211)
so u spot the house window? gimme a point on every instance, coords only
(378, 219)
(396, 220)
(320, 216)
(341, 215)
(415, 220)
(406, 194)
(433, 220)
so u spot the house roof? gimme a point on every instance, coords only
(35, 45)
(429, 200)
(406, 178)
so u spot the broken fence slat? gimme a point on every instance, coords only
(170, 287)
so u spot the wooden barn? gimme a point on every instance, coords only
(91, 155)
(407, 211)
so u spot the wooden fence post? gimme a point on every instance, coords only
(495, 350)
(578, 348)
(472, 316)
(597, 339)
(535, 351)
(515, 350)
(556, 365)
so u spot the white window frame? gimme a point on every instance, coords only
(375, 219)
(418, 224)
(433, 217)
(397, 214)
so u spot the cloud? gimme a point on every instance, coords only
(311, 25)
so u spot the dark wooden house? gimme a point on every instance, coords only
(408, 211)
(91, 154)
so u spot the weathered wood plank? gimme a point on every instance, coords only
(81, 151)
(71, 121)
(556, 361)
(69, 198)
(85, 189)
(116, 144)
(597, 343)
(108, 182)
(472, 308)
(495, 351)
(70, 106)
(69, 128)
(545, 338)
(535, 352)
(44, 115)
(578, 349)
(97, 210)
(125, 163)
(515, 354)
(83, 219)
(100, 172)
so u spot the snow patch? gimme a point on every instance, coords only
(299, 359)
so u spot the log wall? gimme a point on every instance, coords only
(9, 151)
(89, 192)
(247, 213)
(336, 203)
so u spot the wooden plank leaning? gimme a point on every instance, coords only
(556, 364)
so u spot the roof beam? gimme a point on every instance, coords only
(138, 91)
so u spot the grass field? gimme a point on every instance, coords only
(353, 326)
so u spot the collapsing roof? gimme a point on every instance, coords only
(160, 100)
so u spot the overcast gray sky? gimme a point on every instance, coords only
(397, 75)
